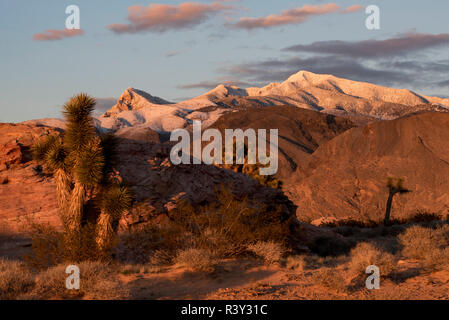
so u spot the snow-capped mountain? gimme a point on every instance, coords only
(319, 92)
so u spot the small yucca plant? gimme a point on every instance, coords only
(393, 188)
(82, 164)
(251, 170)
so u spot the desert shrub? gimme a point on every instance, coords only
(366, 254)
(426, 244)
(51, 247)
(351, 223)
(227, 225)
(136, 245)
(269, 251)
(97, 282)
(296, 263)
(381, 231)
(437, 259)
(196, 259)
(418, 217)
(160, 257)
(153, 243)
(251, 170)
(423, 216)
(15, 280)
(330, 278)
(330, 245)
(138, 268)
(47, 247)
(416, 241)
(132, 269)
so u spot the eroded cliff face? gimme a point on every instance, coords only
(26, 194)
(346, 177)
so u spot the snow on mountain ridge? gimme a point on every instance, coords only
(319, 92)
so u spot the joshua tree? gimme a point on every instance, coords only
(87, 188)
(393, 188)
(251, 170)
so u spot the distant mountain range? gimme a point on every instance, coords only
(360, 101)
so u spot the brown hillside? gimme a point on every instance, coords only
(346, 177)
(300, 131)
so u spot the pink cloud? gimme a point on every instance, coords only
(161, 17)
(353, 8)
(52, 34)
(292, 16)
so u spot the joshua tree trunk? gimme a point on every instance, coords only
(388, 210)
(63, 194)
(105, 231)
(76, 208)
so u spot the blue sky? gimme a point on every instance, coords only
(39, 76)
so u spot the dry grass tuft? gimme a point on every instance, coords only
(331, 278)
(297, 263)
(138, 268)
(14, 279)
(270, 251)
(160, 258)
(428, 245)
(97, 282)
(196, 259)
(366, 254)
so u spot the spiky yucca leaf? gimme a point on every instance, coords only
(80, 129)
(55, 156)
(78, 135)
(115, 200)
(76, 208)
(390, 182)
(79, 108)
(90, 164)
(40, 148)
(397, 187)
(109, 144)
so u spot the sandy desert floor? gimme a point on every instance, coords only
(304, 277)
(321, 279)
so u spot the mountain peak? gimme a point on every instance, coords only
(224, 90)
(304, 89)
(307, 76)
(135, 99)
